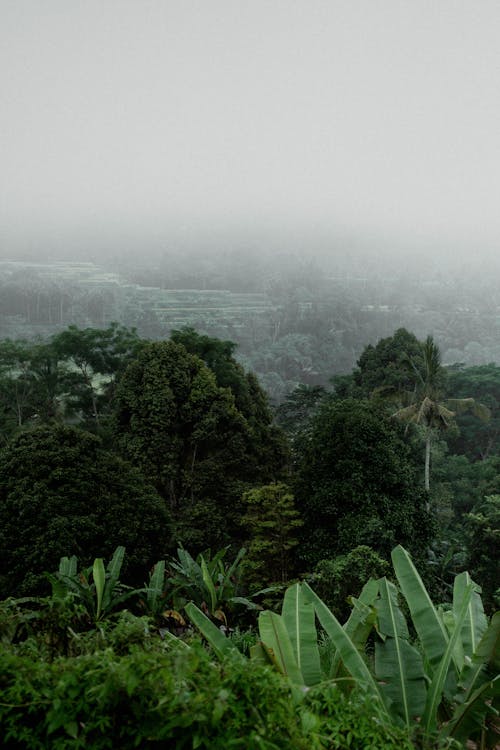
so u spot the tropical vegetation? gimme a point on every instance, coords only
(153, 505)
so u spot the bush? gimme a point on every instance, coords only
(145, 700)
(336, 580)
(352, 721)
(177, 698)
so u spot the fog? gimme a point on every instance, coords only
(318, 126)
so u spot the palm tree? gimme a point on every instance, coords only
(424, 405)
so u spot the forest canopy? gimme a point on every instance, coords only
(110, 432)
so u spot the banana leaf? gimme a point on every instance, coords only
(363, 615)
(360, 623)
(475, 623)
(248, 603)
(449, 619)
(485, 664)
(68, 566)
(209, 585)
(231, 571)
(398, 666)
(99, 576)
(260, 654)
(299, 617)
(112, 576)
(220, 644)
(429, 626)
(469, 719)
(154, 590)
(275, 638)
(435, 691)
(351, 658)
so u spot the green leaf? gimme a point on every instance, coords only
(398, 666)
(360, 624)
(275, 638)
(449, 621)
(99, 576)
(244, 601)
(363, 615)
(209, 584)
(429, 626)
(231, 571)
(352, 659)
(475, 623)
(260, 654)
(220, 644)
(485, 663)
(488, 650)
(469, 717)
(435, 692)
(115, 566)
(155, 587)
(299, 617)
(112, 577)
(68, 566)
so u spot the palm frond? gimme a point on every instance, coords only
(407, 413)
(462, 405)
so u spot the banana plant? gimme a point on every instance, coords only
(209, 582)
(153, 601)
(97, 587)
(460, 654)
(479, 690)
(290, 641)
(447, 681)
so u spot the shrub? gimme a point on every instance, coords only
(143, 699)
(353, 721)
(336, 580)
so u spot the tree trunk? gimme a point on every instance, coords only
(428, 460)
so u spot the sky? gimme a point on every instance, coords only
(144, 123)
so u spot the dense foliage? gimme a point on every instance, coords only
(116, 679)
(152, 698)
(356, 484)
(62, 493)
(190, 440)
(113, 441)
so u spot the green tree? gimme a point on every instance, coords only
(483, 531)
(35, 385)
(356, 484)
(16, 386)
(478, 439)
(271, 521)
(218, 357)
(249, 398)
(61, 494)
(385, 365)
(426, 406)
(96, 357)
(190, 440)
(295, 413)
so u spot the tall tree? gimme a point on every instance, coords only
(425, 405)
(355, 484)
(271, 522)
(385, 365)
(250, 399)
(96, 357)
(189, 438)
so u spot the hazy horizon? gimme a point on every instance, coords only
(316, 127)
